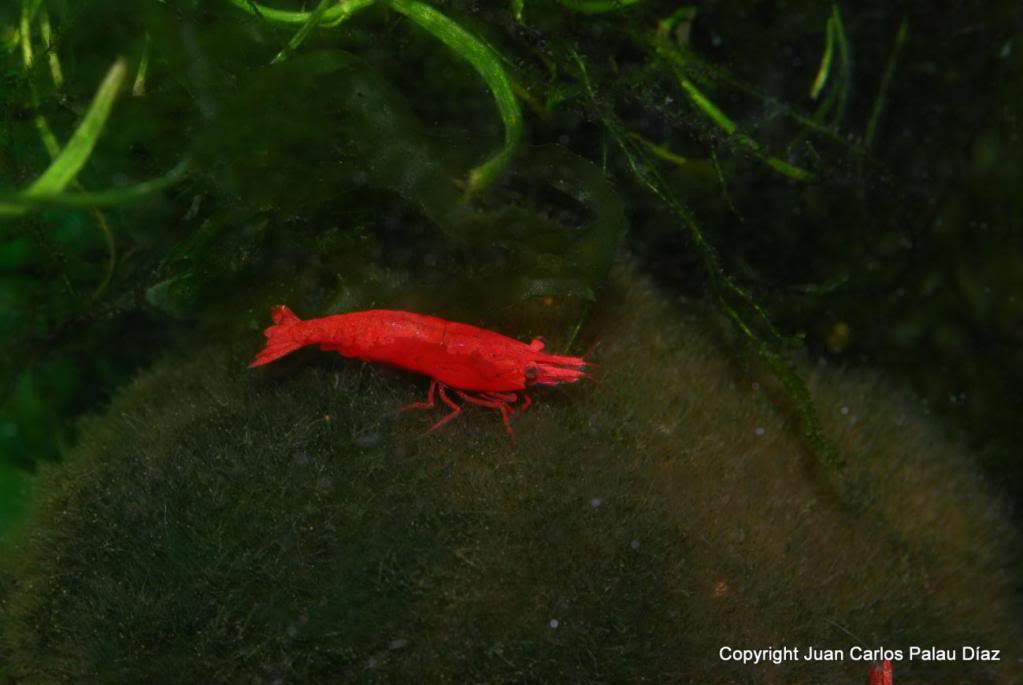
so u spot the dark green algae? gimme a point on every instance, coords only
(287, 524)
(548, 229)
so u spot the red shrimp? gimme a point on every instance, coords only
(480, 366)
(881, 673)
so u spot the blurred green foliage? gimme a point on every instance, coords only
(851, 171)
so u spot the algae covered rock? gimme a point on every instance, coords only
(289, 525)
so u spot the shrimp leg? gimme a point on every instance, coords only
(499, 404)
(455, 409)
(428, 404)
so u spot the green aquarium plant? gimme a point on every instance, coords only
(483, 59)
(809, 196)
(641, 89)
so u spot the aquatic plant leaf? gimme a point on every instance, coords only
(595, 243)
(659, 150)
(195, 276)
(596, 6)
(886, 80)
(824, 71)
(314, 19)
(835, 102)
(175, 296)
(100, 198)
(28, 11)
(138, 89)
(46, 32)
(483, 58)
(73, 157)
(331, 16)
(396, 151)
(675, 50)
(704, 104)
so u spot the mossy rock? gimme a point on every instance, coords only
(288, 525)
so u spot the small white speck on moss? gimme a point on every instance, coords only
(554, 623)
(596, 502)
(845, 410)
(759, 430)
(634, 544)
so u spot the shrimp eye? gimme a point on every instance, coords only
(531, 372)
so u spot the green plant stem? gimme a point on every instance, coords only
(719, 75)
(138, 89)
(838, 96)
(886, 80)
(69, 161)
(482, 57)
(846, 64)
(518, 7)
(659, 150)
(488, 64)
(314, 18)
(25, 32)
(825, 68)
(705, 105)
(108, 238)
(66, 164)
(77, 151)
(729, 295)
(596, 6)
(19, 203)
(331, 17)
(667, 25)
(46, 33)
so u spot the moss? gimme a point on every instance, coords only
(288, 525)
(12, 495)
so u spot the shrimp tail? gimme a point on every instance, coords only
(282, 338)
